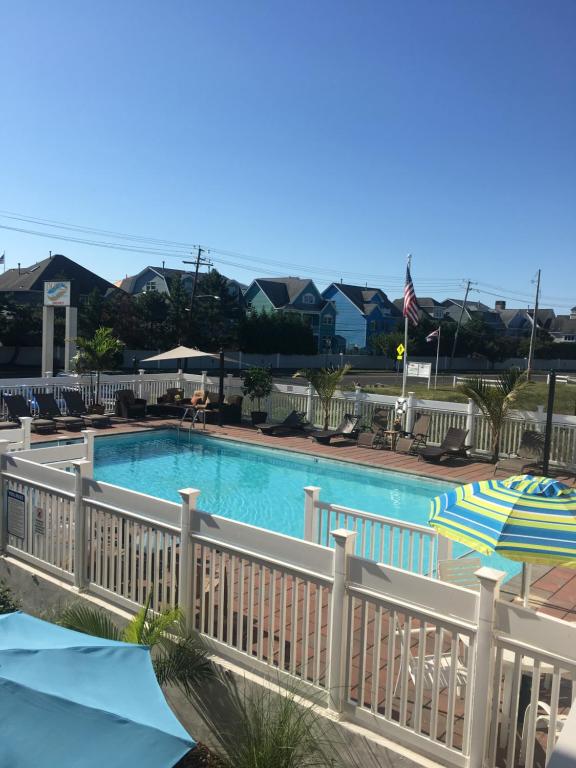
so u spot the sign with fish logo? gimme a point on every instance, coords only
(57, 294)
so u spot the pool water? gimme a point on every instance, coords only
(261, 486)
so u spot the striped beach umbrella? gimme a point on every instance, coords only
(524, 518)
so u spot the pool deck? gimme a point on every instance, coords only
(553, 589)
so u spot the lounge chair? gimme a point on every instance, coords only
(454, 444)
(128, 406)
(294, 422)
(76, 406)
(18, 408)
(346, 428)
(48, 409)
(417, 438)
(529, 454)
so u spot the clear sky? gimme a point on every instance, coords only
(318, 138)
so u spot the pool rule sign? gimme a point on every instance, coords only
(16, 514)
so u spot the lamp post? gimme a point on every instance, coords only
(549, 417)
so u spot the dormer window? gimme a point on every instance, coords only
(151, 286)
(308, 298)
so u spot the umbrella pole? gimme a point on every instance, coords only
(526, 580)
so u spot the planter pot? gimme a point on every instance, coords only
(258, 417)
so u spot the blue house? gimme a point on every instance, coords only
(361, 313)
(296, 296)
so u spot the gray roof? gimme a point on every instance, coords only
(56, 267)
(473, 306)
(363, 297)
(564, 324)
(282, 290)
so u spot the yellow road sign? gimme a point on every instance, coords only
(399, 357)
(400, 350)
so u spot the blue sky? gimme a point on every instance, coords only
(326, 139)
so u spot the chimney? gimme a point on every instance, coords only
(499, 305)
(18, 267)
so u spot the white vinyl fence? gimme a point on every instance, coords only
(458, 676)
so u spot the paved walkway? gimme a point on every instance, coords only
(553, 588)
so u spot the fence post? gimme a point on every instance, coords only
(357, 399)
(189, 498)
(470, 423)
(89, 451)
(482, 665)
(80, 536)
(444, 547)
(240, 360)
(203, 383)
(339, 629)
(540, 417)
(25, 424)
(141, 373)
(4, 444)
(309, 402)
(311, 497)
(410, 403)
(228, 385)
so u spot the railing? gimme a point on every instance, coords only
(383, 539)
(444, 671)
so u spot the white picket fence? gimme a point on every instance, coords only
(445, 671)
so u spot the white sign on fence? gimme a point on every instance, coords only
(16, 503)
(39, 521)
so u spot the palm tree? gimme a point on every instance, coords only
(98, 354)
(495, 399)
(177, 655)
(325, 381)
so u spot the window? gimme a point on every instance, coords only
(151, 286)
(569, 338)
(328, 320)
(308, 298)
(373, 325)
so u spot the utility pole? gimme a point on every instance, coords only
(199, 261)
(533, 332)
(459, 323)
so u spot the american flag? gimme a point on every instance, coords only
(434, 335)
(410, 303)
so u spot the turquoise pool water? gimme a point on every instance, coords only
(260, 486)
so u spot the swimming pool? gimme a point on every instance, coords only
(261, 486)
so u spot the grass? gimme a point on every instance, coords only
(535, 394)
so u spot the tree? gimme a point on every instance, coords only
(267, 333)
(177, 316)
(495, 399)
(215, 319)
(90, 313)
(101, 352)
(177, 655)
(257, 384)
(325, 381)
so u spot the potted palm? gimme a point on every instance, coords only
(325, 381)
(257, 386)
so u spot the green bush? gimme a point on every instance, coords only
(8, 603)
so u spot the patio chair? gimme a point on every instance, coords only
(76, 406)
(410, 442)
(18, 408)
(460, 572)
(543, 717)
(170, 396)
(346, 428)
(48, 409)
(454, 444)
(293, 423)
(428, 673)
(375, 437)
(529, 454)
(128, 406)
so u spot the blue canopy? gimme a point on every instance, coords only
(69, 699)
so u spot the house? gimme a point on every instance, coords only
(361, 313)
(456, 309)
(563, 327)
(26, 284)
(298, 296)
(160, 279)
(428, 308)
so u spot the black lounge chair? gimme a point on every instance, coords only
(417, 438)
(294, 422)
(48, 409)
(375, 438)
(529, 454)
(18, 409)
(128, 406)
(76, 406)
(346, 428)
(454, 444)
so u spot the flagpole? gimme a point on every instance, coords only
(437, 357)
(404, 370)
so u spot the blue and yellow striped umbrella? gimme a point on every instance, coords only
(525, 518)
